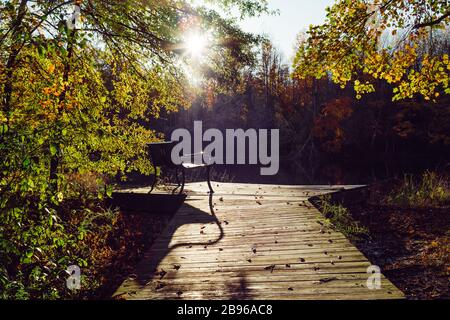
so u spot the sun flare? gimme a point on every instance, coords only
(196, 45)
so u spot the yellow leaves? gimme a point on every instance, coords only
(434, 244)
(3, 117)
(54, 90)
(341, 50)
(47, 91)
(363, 88)
(427, 81)
(45, 104)
(51, 68)
(445, 61)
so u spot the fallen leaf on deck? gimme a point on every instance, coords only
(176, 266)
(120, 296)
(302, 260)
(259, 202)
(179, 293)
(271, 268)
(160, 286)
(325, 280)
(291, 289)
(161, 274)
(288, 265)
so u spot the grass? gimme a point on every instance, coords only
(340, 218)
(429, 190)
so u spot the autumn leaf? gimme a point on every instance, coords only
(51, 68)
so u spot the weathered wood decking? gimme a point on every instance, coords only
(257, 242)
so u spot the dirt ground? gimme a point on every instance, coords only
(132, 236)
(410, 245)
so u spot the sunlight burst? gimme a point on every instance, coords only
(196, 45)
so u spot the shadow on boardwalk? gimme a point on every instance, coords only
(260, 242)
(147, 269)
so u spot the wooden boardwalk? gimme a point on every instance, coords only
(252, 242)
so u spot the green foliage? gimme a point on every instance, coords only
(400, 42)
(340, 218)
(80, 102)
(431, 189)
(247, 7)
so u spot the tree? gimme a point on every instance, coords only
(392, 40)
(81, 83)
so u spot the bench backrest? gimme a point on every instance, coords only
(160, 153)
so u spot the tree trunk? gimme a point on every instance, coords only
(55, 160)
(15, 50)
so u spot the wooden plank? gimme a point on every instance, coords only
(208, 252)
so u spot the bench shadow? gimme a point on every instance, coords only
(147, 269)
(147, 203)
(238, 288)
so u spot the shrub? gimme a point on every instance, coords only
(430, 189)
(340, 218)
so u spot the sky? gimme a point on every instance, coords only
(295, 16)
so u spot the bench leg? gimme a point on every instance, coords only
(183, 181)
(208, 177)
(178, 180)
(155, 181)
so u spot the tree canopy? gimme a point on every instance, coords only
(81, 82)
(401, 42)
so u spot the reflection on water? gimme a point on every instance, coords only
(331, 172)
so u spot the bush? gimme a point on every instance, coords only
(41, 235)
(430, 189)
(340, 218)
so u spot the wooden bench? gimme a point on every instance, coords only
(160, 155)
